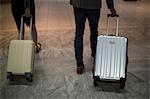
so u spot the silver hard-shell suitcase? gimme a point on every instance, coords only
(111, 57)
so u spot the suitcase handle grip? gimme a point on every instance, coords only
(117, 24)
(22, 26)
(110, 15)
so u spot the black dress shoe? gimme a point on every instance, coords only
(80, 69)
(93, 54)
(38, 47)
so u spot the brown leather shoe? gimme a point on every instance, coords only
(80, 69)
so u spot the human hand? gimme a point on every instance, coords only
(113, 12)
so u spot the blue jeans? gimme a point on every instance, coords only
(93, 16)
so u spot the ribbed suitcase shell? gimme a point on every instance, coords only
(21, 56)
(111, 56)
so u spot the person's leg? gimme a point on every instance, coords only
(34, 34)
(80, 19)
(17, 8)
(27, 21)
(93, 17)
(34, 31)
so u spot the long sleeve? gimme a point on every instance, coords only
(110, 4)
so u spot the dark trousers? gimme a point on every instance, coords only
(93, 16)
(18, 9)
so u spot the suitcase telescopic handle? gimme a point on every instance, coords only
(22, 26)
(117, 24)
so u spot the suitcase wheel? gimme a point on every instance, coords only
(10, 76)
(29, 76)
(122, 83)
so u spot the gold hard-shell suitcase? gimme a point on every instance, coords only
(21, 55)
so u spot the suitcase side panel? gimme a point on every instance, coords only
(110, 57)
(21, 56)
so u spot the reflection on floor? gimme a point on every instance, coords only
(55, 68)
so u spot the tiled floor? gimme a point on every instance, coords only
(55, 69)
